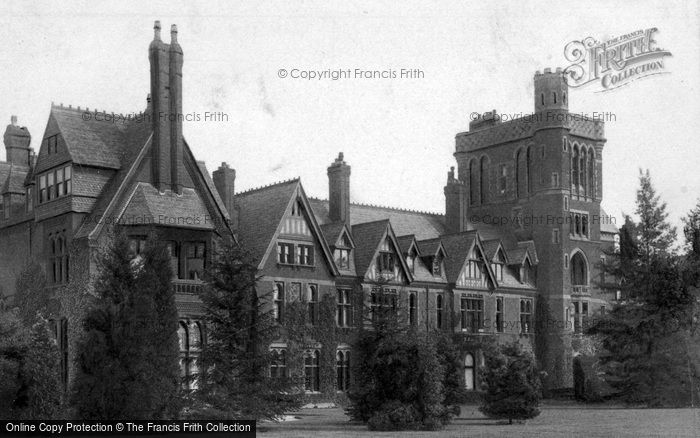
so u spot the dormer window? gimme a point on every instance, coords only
(385, 262)
(342, 253)
(497, 270)
(52, 145)
(437, 265)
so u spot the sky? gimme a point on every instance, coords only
(396, 133)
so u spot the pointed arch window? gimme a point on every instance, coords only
(528, 170)
(575, 169)
(312, 382)
(579, 270)
(484, 183)
(591, 174)
(412, 311)
(439, 310)
(342, 366)
(473, 183)
(469, 373)
(518, 177)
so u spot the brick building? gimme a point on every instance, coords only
(459, 272)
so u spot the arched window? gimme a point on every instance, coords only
(195, 336)
(528, 170)
(563, 98)
(574, 169)
(182, 337)
(412, 309)
(278, 364)
(311, 376)
(591, 174)
(542, 98)
(518, 177)
(469, 371)
(554, 96)
(579, 270)
(59, 260)
(473, 183)
(484, 184)
(582, 170)
(438, 306)
(342, 366)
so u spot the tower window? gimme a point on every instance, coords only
(554, 95)
(542, 98)
(502, 179)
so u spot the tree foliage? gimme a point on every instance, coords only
(234, 380)
(30, 385)
(403, 379)
(645, 355)
(128, 355)
(512, 383)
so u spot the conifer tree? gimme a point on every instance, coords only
(127, 355)
(644, 355)
(512, 382)
(234, 379)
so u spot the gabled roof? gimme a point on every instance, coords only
(406, 243)
(137, 145)
(261, 214)
(491, 248)
(185, 210)
(91, 142)
(333, 231)
(13, 179)
(524, 249)
(404, 222)
(458, 247)
(431, 247)
(368, 237)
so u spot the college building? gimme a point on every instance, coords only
(514, 257)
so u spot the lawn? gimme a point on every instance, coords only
(556, 420)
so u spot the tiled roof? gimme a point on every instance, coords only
(13, 179)
(367, 238)
(530, 245)
(607, 224)
(429, 247)
(457, 247)
(331, 231)
(137, 143)
(405, 242)
(92, 142)
(404, 222)
(261, 211)
(185, 210)
(490, 247)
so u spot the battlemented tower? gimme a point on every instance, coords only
(541, 176)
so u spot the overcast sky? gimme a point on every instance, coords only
(398, 134)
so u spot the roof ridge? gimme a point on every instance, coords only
(385, 207)
(268, 186)
(372, 222)
(70, 107)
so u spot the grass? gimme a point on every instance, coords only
(556, 420)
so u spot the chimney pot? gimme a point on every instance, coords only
(156, 30)
(13, 120)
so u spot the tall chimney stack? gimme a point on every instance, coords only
(224, 180)
(339, 190)
(17, 143)
(455, 203)
(166, 107)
